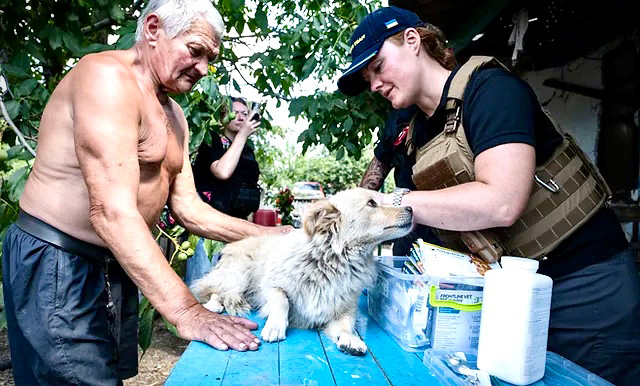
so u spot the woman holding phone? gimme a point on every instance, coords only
(226, 173)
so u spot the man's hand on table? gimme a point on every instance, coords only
(219, 331)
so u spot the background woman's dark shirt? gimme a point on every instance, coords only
(221, 193)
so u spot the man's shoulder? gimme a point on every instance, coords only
(113, 67)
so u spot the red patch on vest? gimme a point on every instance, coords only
(401, 136)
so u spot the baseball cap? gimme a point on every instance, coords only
(367, 39)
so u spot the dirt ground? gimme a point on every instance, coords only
(154, 368)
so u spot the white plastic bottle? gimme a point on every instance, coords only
(515, 321)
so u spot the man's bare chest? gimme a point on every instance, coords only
(160, 146)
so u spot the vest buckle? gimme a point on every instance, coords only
(549, 185)
(452, 121)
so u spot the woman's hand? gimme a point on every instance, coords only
(248, 127)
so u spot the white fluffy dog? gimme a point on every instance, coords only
(308, 278)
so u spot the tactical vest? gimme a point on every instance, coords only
(567, 189)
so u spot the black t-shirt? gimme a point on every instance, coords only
(392, 149)
(221, 193)
(499, 108)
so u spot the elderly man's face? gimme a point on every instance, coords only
(185, 59)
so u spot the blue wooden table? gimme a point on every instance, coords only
(306, 357)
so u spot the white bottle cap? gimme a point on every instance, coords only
(513, 262)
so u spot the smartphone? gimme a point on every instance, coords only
(255, 109)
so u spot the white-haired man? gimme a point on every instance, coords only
(112, 150)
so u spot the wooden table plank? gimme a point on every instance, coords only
(399, 366)
(352, 370)
(253, 367)
(303, 360)
(205, 366)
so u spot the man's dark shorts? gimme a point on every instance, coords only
(60, 328)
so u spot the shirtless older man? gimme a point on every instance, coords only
(113, 148)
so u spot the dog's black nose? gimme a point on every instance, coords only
(409, 209)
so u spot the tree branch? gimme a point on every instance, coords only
(107, 21)
(265, 92)
(24, 142)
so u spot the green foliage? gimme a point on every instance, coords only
(145, 329)
(290, 41)
(284, 203)
(321, 166)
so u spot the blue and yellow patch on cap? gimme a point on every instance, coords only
(356, 42)
(391, 23)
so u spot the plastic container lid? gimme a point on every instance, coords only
(513, 262)
(558, 371)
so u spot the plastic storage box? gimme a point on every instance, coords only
(421, 311)
(558, 371)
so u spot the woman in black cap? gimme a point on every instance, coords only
(495, 174)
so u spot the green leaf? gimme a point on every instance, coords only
(261, 20)
(116, 12)
(348, 124)
(21, 60)
(36, 52)
(212, 247)
(3, 320)
(351, 148)
(16, 71)
(296, 107)
(13, 108)
(325, 139)
(72, 43)
(340, 154)
(193, 240)
(19, 152)
(196, 139)
(313, 108)
(126, 41)
(25, 87)
(308, 67)
(145, 326)
(236, 86)
(55, 38)
(95, 47)
(16, 183)
(170, 327)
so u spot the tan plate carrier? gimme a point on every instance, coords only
(567, 189)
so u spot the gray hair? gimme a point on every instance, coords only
(179, 15)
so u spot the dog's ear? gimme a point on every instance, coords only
(320, 217)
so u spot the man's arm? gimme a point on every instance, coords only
(375, 175)
(106, 111)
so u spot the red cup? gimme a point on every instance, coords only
(266, 217)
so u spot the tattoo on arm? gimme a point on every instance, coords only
(375, 175)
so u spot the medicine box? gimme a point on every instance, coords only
(422, 311)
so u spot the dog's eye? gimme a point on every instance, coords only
(372, 204)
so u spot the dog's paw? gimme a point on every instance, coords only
(352, 345)
(214, 305)
(237, 306)
(274, 330)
